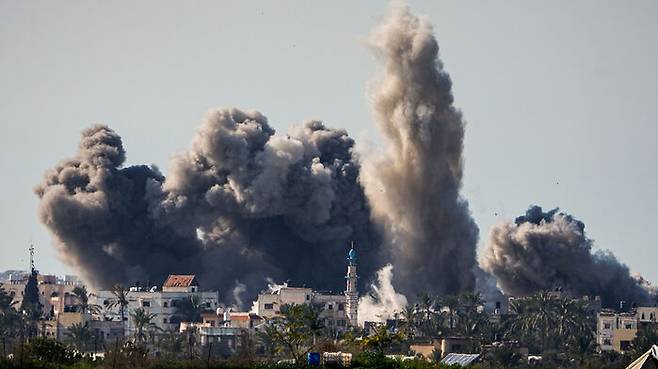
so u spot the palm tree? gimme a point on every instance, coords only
(83, 305)
(315, 324)
(451, 303)
(537, 317)
(428, 315)
(143, 322)
(80, 335)
(471, 318)
(171, 344)
(409, 322)
(121, 301)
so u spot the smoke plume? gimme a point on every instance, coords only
(241, 205)
(383, 301)
(413, 185)
(244, 204)
(546, 250)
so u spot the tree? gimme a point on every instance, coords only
(409, 321)
(646, 337)
(472, 319)
(31, 306)
(451, 304)
(290, 332)
(11, 321)
(171, 343)
(381, 340)
(144, 324)
(121, 301)
(80, 335)
(82, 296)
(428, 315)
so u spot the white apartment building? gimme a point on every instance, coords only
(162, 302)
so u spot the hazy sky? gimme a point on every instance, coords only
(561, 97)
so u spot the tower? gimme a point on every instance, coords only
(351, 293)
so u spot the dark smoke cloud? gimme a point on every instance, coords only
(241, 205)
(414, 184)
(545, 250)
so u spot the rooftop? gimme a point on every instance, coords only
(180, 280)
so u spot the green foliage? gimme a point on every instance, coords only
(294, 332)
(49, 350)
(381, 340)
(144, 324)
(545, 322)
(31, 306)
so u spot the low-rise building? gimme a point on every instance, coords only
(615, 330)
(331, 306)
(162, 302)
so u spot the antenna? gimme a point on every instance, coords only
(31, 257)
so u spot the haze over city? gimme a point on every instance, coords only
(415, 184)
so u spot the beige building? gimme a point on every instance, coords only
(55, 295)
(331, 306)
(615, 330)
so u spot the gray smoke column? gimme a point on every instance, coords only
(414, 185)
(241, 205)
(545, 250)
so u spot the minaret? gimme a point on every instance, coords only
(351, 293)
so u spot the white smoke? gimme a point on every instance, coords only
(383, 301)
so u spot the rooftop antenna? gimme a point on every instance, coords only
(31, 257)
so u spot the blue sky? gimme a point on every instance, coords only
(560, 97)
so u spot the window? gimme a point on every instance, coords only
(165, 304)
(308, 297)
(164, 320)
(331, 306)
(624, 345)
(341, 307)
(269, 306)
(146, 303)
(341, 322)
(212, 323)
(330, 322)
(607, 342)
(208, 305)
(193, 289)
(606, 325)
(628, 326)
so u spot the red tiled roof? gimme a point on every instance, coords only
(180, 280)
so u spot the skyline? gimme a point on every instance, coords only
(492, 99)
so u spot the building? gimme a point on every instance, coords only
(55, 294)
(615, 330)
(331, 306)
(339, 311)
(162, 302)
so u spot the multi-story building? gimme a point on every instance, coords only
(162, 302)
(339, 311)
(55, 294)
(615, 330)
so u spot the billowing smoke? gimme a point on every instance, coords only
(241, 205)
(546, 250)
(383, 301)
(414, 184)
